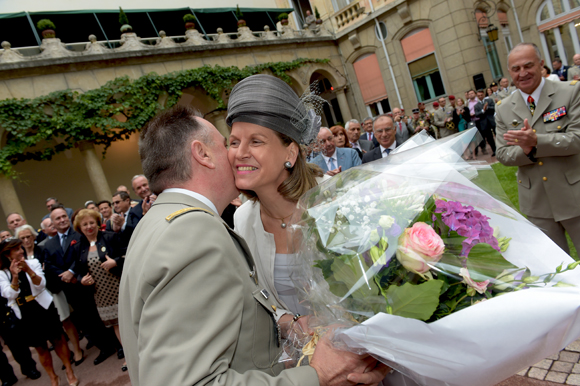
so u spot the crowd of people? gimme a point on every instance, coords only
(190, 301)
(66, 274)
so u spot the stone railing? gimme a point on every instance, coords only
(349, 15)
(54, 48)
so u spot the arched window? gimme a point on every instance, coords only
(422, 62)
(559, 25)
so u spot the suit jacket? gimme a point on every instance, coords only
(401, 135)
(504, 93)
(134, 215)
(365, 136)
(366, 145)
(549, 187)
(57, 260)
(573, 71)
(190, 307)
(347, 158)
(108, 243)
(373, 155)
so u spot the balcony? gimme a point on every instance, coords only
(349, 15)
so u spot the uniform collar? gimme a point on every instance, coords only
(195, 195)
(535, 94)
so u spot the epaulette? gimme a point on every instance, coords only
(572, 83)
(183, 211)
(498, 103)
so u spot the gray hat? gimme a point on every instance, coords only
(270, 102)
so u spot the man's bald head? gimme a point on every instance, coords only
(15, 220)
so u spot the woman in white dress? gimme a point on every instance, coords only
(269, 123)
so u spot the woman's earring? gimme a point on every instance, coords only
(288, 165)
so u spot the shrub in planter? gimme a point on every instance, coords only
(189, 21)
(124, 21)
(240, 15)
(47, 28)
(283, 18)
(317, 16)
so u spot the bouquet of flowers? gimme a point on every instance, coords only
(403, 248)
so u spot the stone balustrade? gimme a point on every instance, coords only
(349, 15)
(53, 48)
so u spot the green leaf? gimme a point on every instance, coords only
(414, 301)
(349, 274)
(484, 263)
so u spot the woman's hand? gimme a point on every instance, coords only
(109, 263)
(87, 280)
(15, 267)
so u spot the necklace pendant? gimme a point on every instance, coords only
(283, 225)
(93, 243)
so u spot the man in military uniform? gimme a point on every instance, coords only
(574, 71)
(506, 90)
(538, 127)
(427, 118)
(443, 118)
(191, 308)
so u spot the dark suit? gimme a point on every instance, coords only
(373, 155)
(108, 243)
(484, 127)
(85, 315)
(134, 215)
(365, 136)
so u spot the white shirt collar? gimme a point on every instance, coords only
(355, 145)
(392, 147)
(65, 234)
(195, 195)
(326, 159)
(535, 94)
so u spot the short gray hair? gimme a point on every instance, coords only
(23, 228)
(52, 198)
(367, 118)
(164, 146)
(42, 226)
(380, 117)
(137, 176)
(521, 45)
(349, 122)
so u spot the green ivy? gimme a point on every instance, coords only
(34, 125)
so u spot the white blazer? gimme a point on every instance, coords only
(248, 224)
(42, 297)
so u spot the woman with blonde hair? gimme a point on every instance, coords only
(99, 258)
(269, 123)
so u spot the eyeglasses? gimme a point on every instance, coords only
(381, 131)
(329, 139)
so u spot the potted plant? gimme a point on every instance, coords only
(240, 15)
(189, 21)
(47, 28)
(317, 15)
(124, 21)
(283, 18)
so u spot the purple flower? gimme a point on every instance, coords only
(467, 222)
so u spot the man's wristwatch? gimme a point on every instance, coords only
(532, 155)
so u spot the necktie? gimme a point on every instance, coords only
(370, 136)
(386, 151)
(531, 104)
(62, 239)
(400, 127)
(332, 164)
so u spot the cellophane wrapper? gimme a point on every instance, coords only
(484, 338)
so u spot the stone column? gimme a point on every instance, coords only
(8, 197)
(218, 118)
(95, 171)
(343, 104)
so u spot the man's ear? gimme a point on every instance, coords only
(202, 154)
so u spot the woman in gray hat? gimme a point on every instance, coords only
(269, 123)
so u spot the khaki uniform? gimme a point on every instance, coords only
(425, 120)
(573, 71)
(440, 117)
(504, 93)
(191, 310)
(549, 188)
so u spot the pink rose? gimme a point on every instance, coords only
(476, 285)
(419, 246)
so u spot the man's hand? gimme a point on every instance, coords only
(334, 172)
(525, 138)
(66, 276)
(147, 202)
(117, 222)
(337, 368)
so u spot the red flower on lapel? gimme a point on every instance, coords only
(73, 243)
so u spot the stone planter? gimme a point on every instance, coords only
(241, 23)
(284, 21)
(48, 34)
(189, 25)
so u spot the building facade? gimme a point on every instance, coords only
(381, 54)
